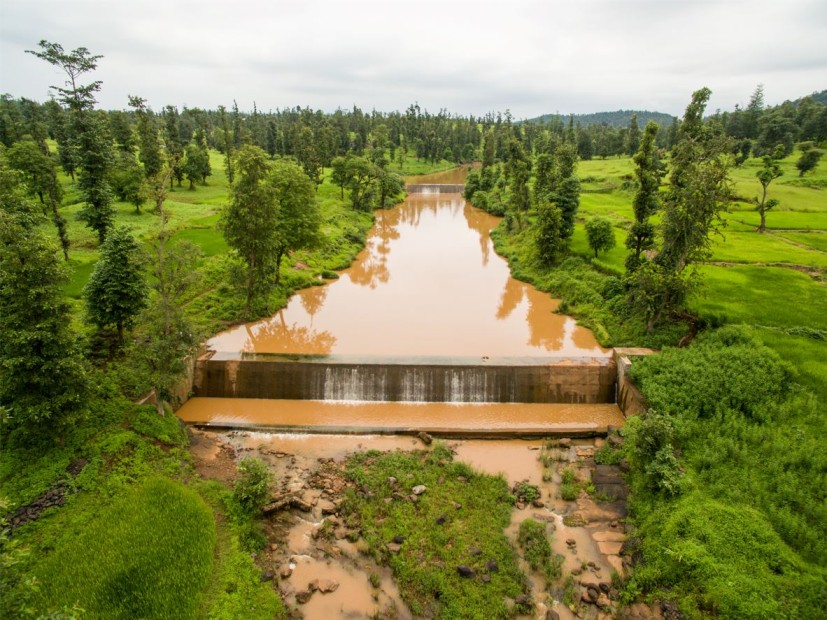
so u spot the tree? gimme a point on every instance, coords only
(545, 179)
(600, 234)
(250, 222)
(37, 164)
(168, 335)
(809, 159)
(120, 126)
(766, 175)
(298, 215)
(698, 190)
(339, 173)
(361, 175)
(567, 199)
(172, 141)
(89, 131)
(117, 290)
(633, 137)
(196, 163)
(128, 182)
(549, 239)
(390, 186)
(150, 148)
(227, 143)
(43, 380)
(646, 203)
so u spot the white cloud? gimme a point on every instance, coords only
(469, 57)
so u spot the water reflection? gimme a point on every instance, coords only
(427, 283)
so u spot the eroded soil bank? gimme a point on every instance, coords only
(320, 564)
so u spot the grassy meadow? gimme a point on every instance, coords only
(775, 282)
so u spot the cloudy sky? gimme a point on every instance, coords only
(470, 57)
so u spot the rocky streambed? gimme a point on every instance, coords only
(317, 558)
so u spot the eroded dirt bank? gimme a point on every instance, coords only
(320, 564)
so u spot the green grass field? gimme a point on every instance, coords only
(766, 284)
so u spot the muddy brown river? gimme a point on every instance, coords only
(428, 283)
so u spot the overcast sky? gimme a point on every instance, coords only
(470, 57)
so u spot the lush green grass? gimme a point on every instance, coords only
(805, 353)
(210, 240)
(816, 241)
(753, 295)
(235, 589)
(746, 537)
(779, 220)
(750, 247)
(437, 536)
(148, 555)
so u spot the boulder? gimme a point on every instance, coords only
(325, 586)
(419, 489)
(466, 571)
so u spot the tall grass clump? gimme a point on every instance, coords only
(147, 555)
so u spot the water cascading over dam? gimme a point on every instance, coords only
(427, 314)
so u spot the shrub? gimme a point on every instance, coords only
(534, 542)
(252, 488)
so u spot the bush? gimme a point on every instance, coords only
(252, 488)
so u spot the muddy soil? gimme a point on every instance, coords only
(318, 563)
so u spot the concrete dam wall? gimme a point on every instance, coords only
(513, 381)
(435, 188)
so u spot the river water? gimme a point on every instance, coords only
(428, 283)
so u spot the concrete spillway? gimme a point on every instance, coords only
(434, 188)
(409, 380)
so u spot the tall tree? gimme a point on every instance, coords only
(117, 290)
(549, 239)
(89, 131)
(298, 216)
(250, 222)
(120, 126)
(43, 380)
(227, 144)
(633, 136)
(173, 143)
(150, 147)
(770, 171)
(698, 191)
(169, 336)
(649, 173)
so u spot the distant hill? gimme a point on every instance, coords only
(817, 97)
(620, 118)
